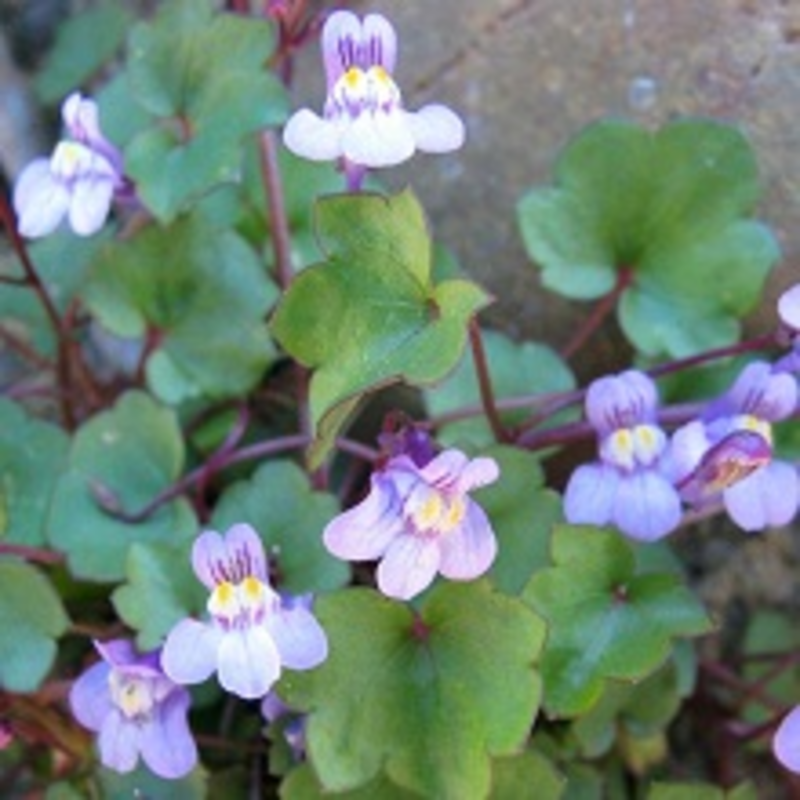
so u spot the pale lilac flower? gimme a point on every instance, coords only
(789, 313)
(420, 521)
(274, 709)
(80, 180)
(786, 742)
(364, 122)
(626, 487)
(136, 710)
(757, 490)
(252, 633)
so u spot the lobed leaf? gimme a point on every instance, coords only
(607, 620)
(671, 208)
(428, 699)
(370, 315)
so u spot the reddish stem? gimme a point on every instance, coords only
(603, 308)
(485, 382)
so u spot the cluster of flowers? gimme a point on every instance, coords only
(643, 478)
(417, 519)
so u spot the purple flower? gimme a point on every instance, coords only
(757, 490)
(786, 742)
(364, 121)
(252, 633)
(627, 486)
(136, 710)
(420, 521)
(79, 180)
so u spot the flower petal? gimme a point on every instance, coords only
(341, 44)
(786, 742)
(436, 129)
(90, 696)
(166, 743)
(409, 566)
(118, 742)
(468, 551)
(90, 204)
(378, 139)
(365, 531)
(249, 663)
(310, 136)
(300, 639)
(768, 498)
(209, 558)
(590, 493)
(190, 652)
(379, 42)
(40, 201)
(789, 307)
(245, 550)
(647, 507)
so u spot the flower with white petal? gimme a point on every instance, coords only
(364, 122)
(252, 633)
(79, 181)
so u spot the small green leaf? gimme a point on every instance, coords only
(605, 620)
(370, 315)
(122, 457)
(522, 512)
(516, 370)
(514, 778)
(279, 503)
(143, 783)
(85, 42)
(667, 211)
(205, 73)
(302, 784)
(700, 791)
(161, 590)
(202, 293)
(31, 617)
(33, 454)
(430, 699)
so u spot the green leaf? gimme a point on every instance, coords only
(85, 42)
(370, 315)
(123, 457)
(201, 293)
(516, 370)
(514, 777)
(302, 784)
(669, 206)
(606, 621)
(143, 783)
(33, 454)
(161, 589)
(279, 503)
(430, 699)
(205, 73)
(522, 512)
(31, 617)
(700, 791)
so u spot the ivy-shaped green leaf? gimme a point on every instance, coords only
(516, 370)
(279, 503)
(522, 512)
(33, 454)
(123, 457)
(668, 212)
(370, 314)
(201, 294)
(85, 42)
(31, 618)
(428, 698)
(161, 589)
(606, 619)
(303, 784)
(203, 72)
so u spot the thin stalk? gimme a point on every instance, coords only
(35, 554)
(485, 382)
(603, 308)
(276, 208)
